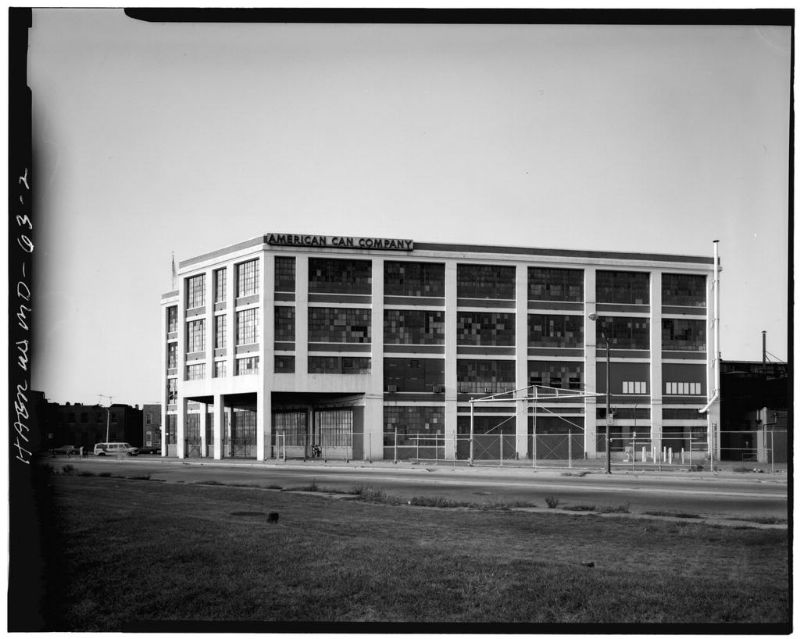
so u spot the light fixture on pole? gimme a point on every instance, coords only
(593, 317)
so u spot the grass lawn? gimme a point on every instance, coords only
(124, 551)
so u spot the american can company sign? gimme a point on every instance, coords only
(336, 241)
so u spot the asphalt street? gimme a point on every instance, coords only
(711, 495)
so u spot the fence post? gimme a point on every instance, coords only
(633, 452)
(436, 447)
(772, 451)
(501, 449)
(369, 447)
(569, 449)
(417, 438)
(395, 445)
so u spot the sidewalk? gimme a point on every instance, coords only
(594, 468)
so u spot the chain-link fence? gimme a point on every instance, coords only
(568, 450)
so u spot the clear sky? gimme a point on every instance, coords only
(154, 138)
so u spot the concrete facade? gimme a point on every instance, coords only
(404, 334)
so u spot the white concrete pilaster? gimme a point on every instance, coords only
(450, 368)
(230, 312)
(521, 354)
(373, 426)
(301, 317)
(656, 373)
(590, 361)
(267, 352)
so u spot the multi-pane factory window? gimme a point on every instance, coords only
(339, 276)
(195, 371)
(172, 319)
(683, 414)
(679, 289)
(247, 278)
(555, 284)
(172, 390)
(404, 375)
(247, 366)
(624, 332)
(284, 274)
(684, 388)
(683, 335)
(247, 327)
(195, 291)
(195, 336)
(556, 374)
(284, 323)
(210, 429)
(284, 363)
(220, 331)
(413, 327)
(634, 388)
(555, 331)
(220, 284)
(485, 329)
(485, 375)
(410, 422)
(221, 369)
(485, 281)
(292, 426)
(623, 287)
(415, 279)
(172, 355)
(340, 325)
(339, 365)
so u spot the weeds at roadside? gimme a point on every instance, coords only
(86, 473)
(68, 469)
(761, 520)
(274, 487)
(580, 508)
(666, 513)
(142, 477)
(621, 508)
(551, 501)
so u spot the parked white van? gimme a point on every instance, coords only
(115, 448)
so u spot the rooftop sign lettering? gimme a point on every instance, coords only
(335, 241)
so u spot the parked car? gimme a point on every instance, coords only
(67, 449)
(150, 450)
(115, 448)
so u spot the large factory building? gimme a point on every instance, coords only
(360, 347)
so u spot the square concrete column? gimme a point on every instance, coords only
(180, 435)
(219, 420)
(521, 355)
(261, 419)
(203, 427)
(450, 361)
(590, 363)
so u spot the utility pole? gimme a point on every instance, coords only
(764, 347)
(108, 413)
